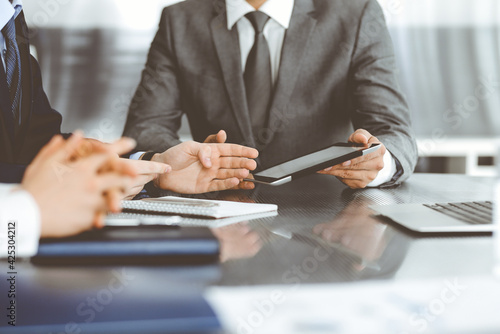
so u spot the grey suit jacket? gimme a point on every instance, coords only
(337, 74)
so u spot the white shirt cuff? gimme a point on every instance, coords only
(20, 211)
(387, 173)
(5, 189)
(136, 156)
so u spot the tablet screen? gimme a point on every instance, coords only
(307, 161)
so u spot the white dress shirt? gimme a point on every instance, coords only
(19, 207)
(7, 11)
(280, 13)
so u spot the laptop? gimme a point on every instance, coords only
(453, 217)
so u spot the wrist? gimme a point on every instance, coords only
(157, 158)
(148, 156)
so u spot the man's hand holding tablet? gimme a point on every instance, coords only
(360, 172)
(312, 163)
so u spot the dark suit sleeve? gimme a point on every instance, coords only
(377, 101)
(10, 173)
(155, 115)
(44, 122)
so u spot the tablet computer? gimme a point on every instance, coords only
(312, 163)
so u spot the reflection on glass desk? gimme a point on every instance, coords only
(326, 233)
(323, 233)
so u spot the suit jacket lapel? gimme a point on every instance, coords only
(27, 79)
(301, 26)
(6, 119)
(227, 45)
(9, 139)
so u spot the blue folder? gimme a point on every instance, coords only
(131, 245)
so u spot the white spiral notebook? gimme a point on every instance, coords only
(196, 207)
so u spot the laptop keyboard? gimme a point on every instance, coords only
(469, 212)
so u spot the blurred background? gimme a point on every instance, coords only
(92, 53)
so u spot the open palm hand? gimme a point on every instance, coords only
(199, 168)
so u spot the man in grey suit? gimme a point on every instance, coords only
(284, 76)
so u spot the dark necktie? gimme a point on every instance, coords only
(13, 68)
(258, 80)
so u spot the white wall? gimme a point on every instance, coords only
(85, 14)
(435, 13)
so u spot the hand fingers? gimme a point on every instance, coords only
(141, 180)
(122, 146)
(130, 193)
(120, 166)
(74, 144)
(364, 163)
(373, 140)
(361, 172)
(112, 181)
(70, 147)
(378, 154)
(91, 146)
(355, 184)
(143, 167)
(205, 156)
(233, 162)
(219, 138)
(219, 185)
(113, 200)
(88, 147)
(233, 150)
(357, 162)
(243, 185)
(353, 174)
(246, 185)
(360, 136)
(48, 150)
(110, 162)
(212, 139)
(229, 173)
(99, 220)
(355, 178)
(97, 162)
